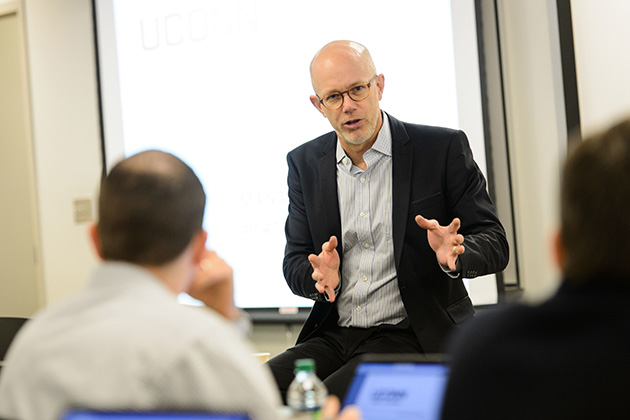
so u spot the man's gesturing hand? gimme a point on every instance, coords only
(444, 240)
(326, 268)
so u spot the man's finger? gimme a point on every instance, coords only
(331, 293)
(455, 225)
(320, 288)
(331, 408)
(426, 223)
(205, 264)
(351, 412)
(210, 254)
(330, 245)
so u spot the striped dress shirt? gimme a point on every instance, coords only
(370, 294)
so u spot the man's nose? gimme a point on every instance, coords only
(348, 103)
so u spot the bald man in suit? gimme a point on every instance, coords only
(385, 219)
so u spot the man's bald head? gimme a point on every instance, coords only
(332, 53)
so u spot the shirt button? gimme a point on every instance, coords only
(362, 180)
(364, 278)
(366, 246)
(358, 309)
(345, 161)
(362, 214)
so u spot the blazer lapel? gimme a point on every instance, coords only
(328, 188)
(401, 179)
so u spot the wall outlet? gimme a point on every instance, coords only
(82, 210)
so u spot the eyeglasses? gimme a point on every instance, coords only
(357, 93)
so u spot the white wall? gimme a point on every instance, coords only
(601, 34)
(66, 131)
(20, 290)
(536, 132)
(535, 114)
(65, 135)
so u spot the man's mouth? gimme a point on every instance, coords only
(351, 123)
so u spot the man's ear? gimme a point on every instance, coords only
(199, 246)
(317, 105)
(95, 238)
(559, 249)
(380, 84)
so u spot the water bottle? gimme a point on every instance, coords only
(307, 393)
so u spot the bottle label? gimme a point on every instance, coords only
(307, 415)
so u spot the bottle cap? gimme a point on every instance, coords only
(305, 364)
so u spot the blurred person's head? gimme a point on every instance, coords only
(595, 207)
(151, 207)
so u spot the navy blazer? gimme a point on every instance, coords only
(434, 175)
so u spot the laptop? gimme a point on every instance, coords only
(150, 415)
(399, 387)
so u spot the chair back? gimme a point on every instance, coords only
(9, 326)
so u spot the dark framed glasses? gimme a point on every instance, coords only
(357, 93)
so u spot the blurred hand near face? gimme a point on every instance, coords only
(213, 285)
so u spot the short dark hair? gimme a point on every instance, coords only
(595, 206)
(150, 207)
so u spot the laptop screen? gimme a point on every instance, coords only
(146, 415)
(398, 390)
